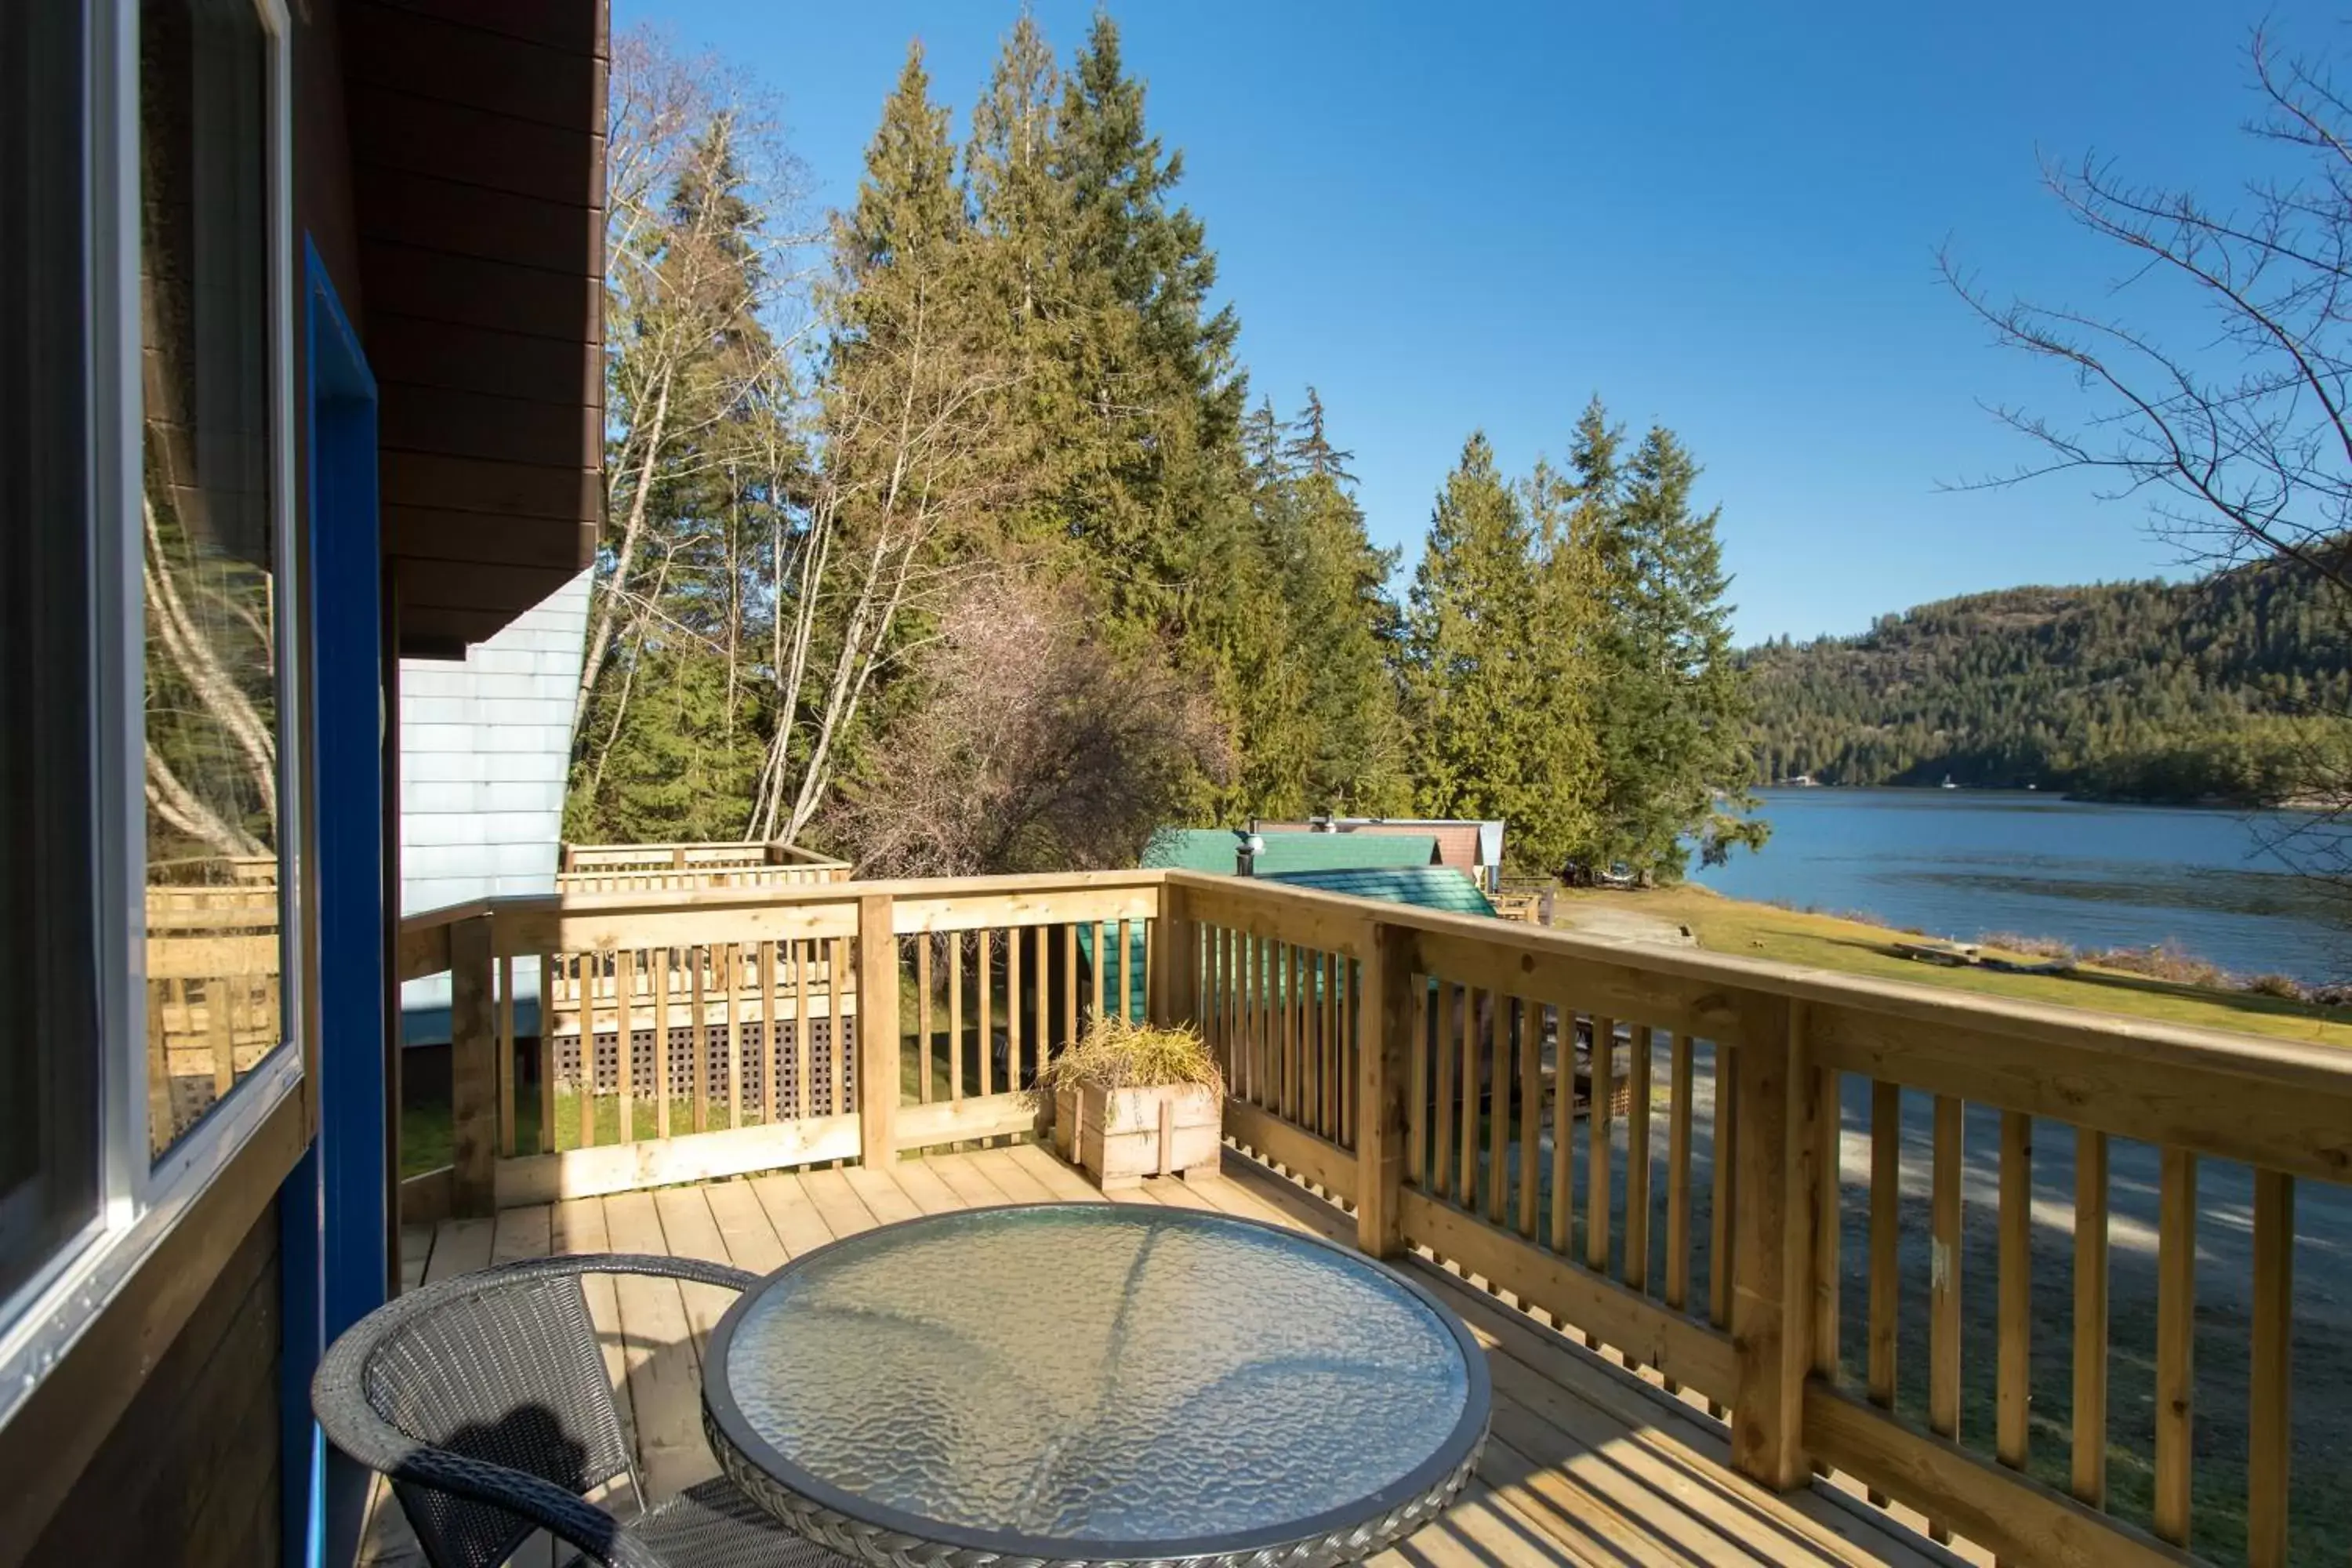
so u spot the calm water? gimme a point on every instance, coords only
(1959, 863)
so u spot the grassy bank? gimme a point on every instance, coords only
(1831, 942)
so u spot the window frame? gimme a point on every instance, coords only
(142, 1198)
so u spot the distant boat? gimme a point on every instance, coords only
(1949, 783)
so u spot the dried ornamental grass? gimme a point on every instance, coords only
(1115, 1054)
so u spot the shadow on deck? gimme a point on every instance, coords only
(1586, 1465)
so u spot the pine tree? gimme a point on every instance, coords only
(1497, 715)
(1672, 710)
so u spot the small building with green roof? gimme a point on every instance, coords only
(1217, 850)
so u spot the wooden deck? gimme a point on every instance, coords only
(1588, 1463)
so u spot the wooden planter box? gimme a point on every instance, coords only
(1122, 1136)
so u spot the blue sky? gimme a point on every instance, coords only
(1450, 217)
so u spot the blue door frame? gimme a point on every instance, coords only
(335, 1218)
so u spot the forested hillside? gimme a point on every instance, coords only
(949, 534)
(2235, 688)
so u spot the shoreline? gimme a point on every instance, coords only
(1851, 944)
(2311, 805)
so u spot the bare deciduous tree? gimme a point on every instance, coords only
(1032, 746)
(2236, 430)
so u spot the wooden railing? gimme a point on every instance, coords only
(1945, 1250)
(692, 1034)
(1721, 1199)
(686, 868)
(213, 973)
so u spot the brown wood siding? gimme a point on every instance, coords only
(477, 154)
(190, 1473)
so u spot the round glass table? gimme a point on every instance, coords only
(1094, 1383)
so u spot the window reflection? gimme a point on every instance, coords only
(210, 574)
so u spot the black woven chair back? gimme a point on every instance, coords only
(511, 1375)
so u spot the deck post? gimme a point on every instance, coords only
(878, 1032)
(1383, 1067)
(1772, 1221)
(473, 1071)
(1174, 958)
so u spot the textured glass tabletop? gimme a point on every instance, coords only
(1093, 1381)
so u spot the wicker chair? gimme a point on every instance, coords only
(484, 1399)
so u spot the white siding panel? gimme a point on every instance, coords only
(485, 747)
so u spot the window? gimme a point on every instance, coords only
(49, 1081)
(209, 558)
(149, 762)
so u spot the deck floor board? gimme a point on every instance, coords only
(1588, 1463)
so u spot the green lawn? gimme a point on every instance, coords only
(1828, 942)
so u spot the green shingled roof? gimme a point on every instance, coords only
(1211, 849)
(1442, 888)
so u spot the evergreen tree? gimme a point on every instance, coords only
(1498, 727)
(1672, 707)
(1343, 742)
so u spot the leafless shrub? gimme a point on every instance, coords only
(1032, 745)
(2044, 947)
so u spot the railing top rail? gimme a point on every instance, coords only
(724, 900)
(2149, 1042)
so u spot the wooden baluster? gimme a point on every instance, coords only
(1637, 1158)
(1043, 1021)
(2013, 1313)
(1264, 1025)
(984, 987)
(955, 1015)
(1012, 936)
(1885, 1241)
(772, 1053)
(734, 981)
(838, 1029)
(1529, 1018)
(1310, 1081)
(923, 1010)
(624, 1035)
(662, 962)
(2269, 1432)
(2175, 1328)
(547, 978)
(1419, 1087)
(1597, 1119)
(1563, 1129)
(803, 1023)
(1466, 1185)
(1070, 1019)
(1284, 1030)
(1245, 990)
(700, 1034)
(1498, 1106)
(1335, 1051)
(1944, 1278)
(1126, 978)
(1827, 1219)
(506, 1056)
(222, 1028)
(1449, 1028)
(1352, 1007)
(1678, 1174)
(1723, 1188)
(585, 966)
(1312, 1040)
(2089, 1415)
